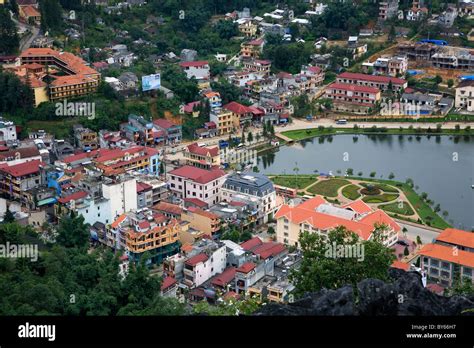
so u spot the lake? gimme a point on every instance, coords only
(441, 166)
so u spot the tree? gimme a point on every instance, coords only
(406, 252)
(271, 230)
(226, 29)
(322, 268)
(72, 232)
(51, 15)
(250, 137)
(391, 176)
(350, 171)
(450, 83)
(438, 79)
(372, 174)
(8, 217)
(9, 40)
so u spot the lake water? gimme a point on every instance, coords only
(441, 166)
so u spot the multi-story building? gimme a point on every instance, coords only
(86, 139)
(317, 216)
(240, 114)
(202, 157)
(214, 98)
(140, 232)
(380, 82)
(223, 120)
(197, 69)
(258, 66)
(138, 130)
(393, 66)
(248, 28)
(449, 258)
(203, 266)
(465, 95)
(172, 133)
(7, 130)
(418, 51)
(251, 49)
(18, 155)
(353, 98)
(138, 158)
(388, 9)
(79, 79)
(453, 59)
(192, 182)
(202, 220)
(255, 190)
(18, 178)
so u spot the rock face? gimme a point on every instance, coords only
(404, 296)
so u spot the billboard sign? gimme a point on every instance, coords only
(151, 82)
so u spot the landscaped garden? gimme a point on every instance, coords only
(351, 192)
(400, 208)
(328, 187)
(294, 181)
(381, 198)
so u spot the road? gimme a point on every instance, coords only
(426, 235)
(31, 32)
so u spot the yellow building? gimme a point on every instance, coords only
(201, 220)
(248, 29)
(223, 120)
(202, 157)
(251, 49)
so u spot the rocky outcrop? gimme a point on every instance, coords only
(405, 295)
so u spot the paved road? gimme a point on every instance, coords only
(426, 235)
(31, 33)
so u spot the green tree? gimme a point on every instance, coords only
(8, 217)
(72, 232)
(320, 269)
(9, 40)
(51, 15)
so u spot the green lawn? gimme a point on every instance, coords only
(329, 187)
(351, 192)
(294, 181)
(309, 133)
(380, 186)
(395, 208)
(384, 197)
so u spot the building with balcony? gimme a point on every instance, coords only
(251, 49)
(139, 159)
(449, 258)
(318, 216)
(223, 119)
(254, 190)
(381, 82)
(204, 265)
(167, 132)
(214, 99)
(465, 95)
(202, 157)
(240, 114)
(17, 178)
(7, 130)
(392, 66)
(86, 139)
(138, 130)
(348, 97)
(197, 69)
(388, 9)
(258, 66)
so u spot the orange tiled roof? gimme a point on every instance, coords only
(71, 80)
(30, 11)
(458, 237)
(449, 254)
(306, 212)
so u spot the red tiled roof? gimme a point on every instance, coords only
(358, 206)
(198, 175)
(251, 243)
(353, 88)
(203, 151)
(205, 213)
(198, 63)
(168, 282)
(400, 265)
(269, 249)
(246, 267)
(237, 108)
(224, 278)
(163, 123)
(197, 202)
(193, 261)
(449, 254)
(168, 208)
(457, 237)
(73, 197)
(189, 108)
(22, 169)
(25, 152)
(141, 186)
(256, 42)
(306, 212)
(371, 78)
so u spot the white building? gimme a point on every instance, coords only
(203, 266)
(465, 95)
(255, 190)
(198, 69)
(118, 197)
(192, 182)
(7, 130)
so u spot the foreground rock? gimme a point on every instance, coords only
(404, 296)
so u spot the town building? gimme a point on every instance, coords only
(258, 66)
(198, 69)
(388, 9)
(348, 97)
(202, 157)
(203, 266)
(192, 182)
(223, 119)
(86, 139)
(254, 190)
(18, 178)
(465, 95)
(450, 258)
(172, 133)
(318, 216)
(380, 82)
(202, 220)
(393, 66)
(251, 49)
